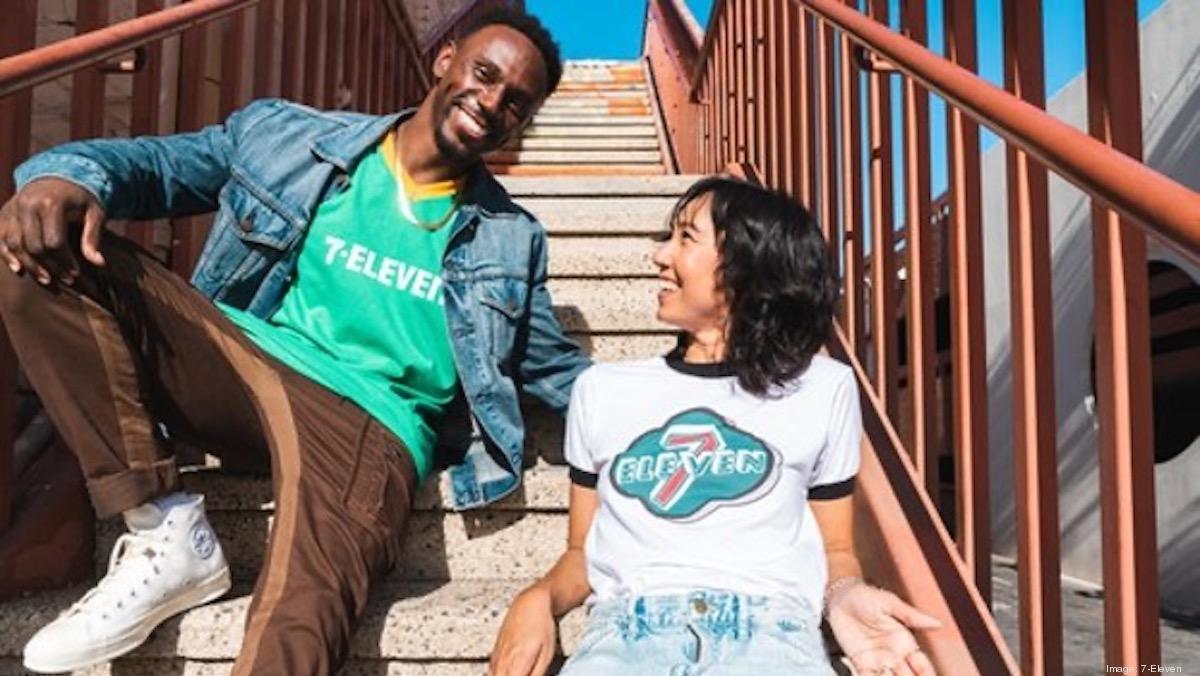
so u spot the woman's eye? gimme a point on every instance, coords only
(481, 73)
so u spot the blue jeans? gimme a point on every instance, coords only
(700, 633)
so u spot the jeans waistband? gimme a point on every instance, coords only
(717, 611)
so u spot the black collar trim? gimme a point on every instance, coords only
(719, 369)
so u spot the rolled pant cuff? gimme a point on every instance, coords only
(135, 486)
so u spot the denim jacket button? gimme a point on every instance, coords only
(247, 226)
(699, 606)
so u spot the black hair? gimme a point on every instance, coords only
(774, 274)
(529, 26)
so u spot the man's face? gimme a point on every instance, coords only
(489, 86)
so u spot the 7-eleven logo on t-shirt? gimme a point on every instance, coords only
(692, 465)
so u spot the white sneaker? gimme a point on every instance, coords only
(152, 575)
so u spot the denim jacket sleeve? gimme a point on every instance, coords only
(150, 177)
(551, 361)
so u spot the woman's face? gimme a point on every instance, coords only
(688, 263)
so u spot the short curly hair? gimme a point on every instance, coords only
(529, 26)
(775, 274)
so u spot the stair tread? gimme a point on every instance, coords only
(566, 216)
(578, 186)
(593, 131)
(452, 620)
(575, 156)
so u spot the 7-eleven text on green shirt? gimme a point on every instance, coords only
(364, 315)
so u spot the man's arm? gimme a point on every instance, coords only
(551, 361)
(82, 184)
(148, 177)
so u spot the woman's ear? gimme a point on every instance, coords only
(441, 64)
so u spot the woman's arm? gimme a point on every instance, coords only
(566, 584)
(525, 644)
(873, 626)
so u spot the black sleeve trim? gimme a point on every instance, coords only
(582, 478)
(832, 491)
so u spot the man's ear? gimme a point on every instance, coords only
(441, 64)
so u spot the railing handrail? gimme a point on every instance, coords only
(43, 64)
(1159, 205)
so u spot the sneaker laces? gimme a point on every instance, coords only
(123, 571)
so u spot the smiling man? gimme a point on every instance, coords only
(368, 291)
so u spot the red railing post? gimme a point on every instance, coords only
(1034, 442)
(264, 49)
(18, 32)
(232, 65)
(147, 107)
(314, 16)
(87, 85)
(883, 268)
(1123, 372)
(920, 279)
(188, 234)
(335, 39)
(968, 341)
(851, 147)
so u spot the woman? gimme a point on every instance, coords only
(711, 489)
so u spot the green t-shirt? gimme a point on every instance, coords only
(364, 315)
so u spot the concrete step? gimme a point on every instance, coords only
(575, 87)
(404, 621)
(439, 546)
(575, 156)
(572, 143)
(580, 187)
(598, 108)
(153, 666)
(615, 346)
(543, 486)
(637, 93)
(568, 119)
(600, 216)
(565, 170)
(597, 131)
(601, 257)
(601, 104)
(607, 305)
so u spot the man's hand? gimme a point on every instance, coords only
(525, 645)
(34, 226)
(874, 628)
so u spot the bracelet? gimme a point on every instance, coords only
(838, 585)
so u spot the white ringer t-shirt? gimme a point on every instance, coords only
(702, 485)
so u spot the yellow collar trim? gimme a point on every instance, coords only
(413, 190)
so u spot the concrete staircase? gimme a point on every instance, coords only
(599, 122)
(437, 614)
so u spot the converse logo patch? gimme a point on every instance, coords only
(204, 543)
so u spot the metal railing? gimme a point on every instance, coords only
(193, 64)
(775, 85)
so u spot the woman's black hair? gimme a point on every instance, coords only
(775, 275)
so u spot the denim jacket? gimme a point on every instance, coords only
(265, 171)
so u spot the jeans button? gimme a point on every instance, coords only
(699, 606)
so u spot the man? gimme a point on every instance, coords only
(366, 290)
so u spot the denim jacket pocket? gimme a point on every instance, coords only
(505, 299)
(255, 221)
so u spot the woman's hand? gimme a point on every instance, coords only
(525, 644)
(873, 628)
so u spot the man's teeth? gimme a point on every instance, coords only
(471, 125)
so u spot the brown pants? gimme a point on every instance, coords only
(131, 345)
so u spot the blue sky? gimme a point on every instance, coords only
(612, 29)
